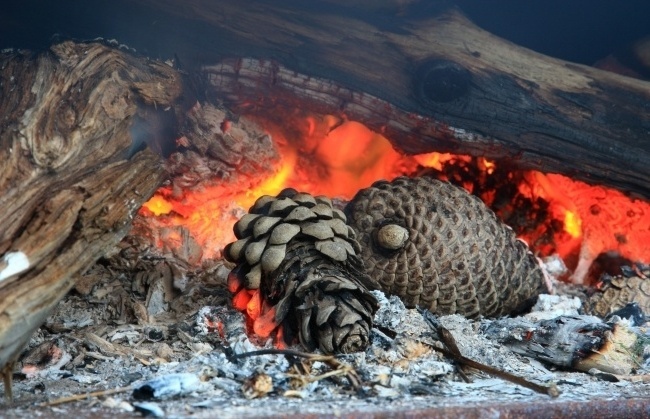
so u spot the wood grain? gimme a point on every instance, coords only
(72, 175)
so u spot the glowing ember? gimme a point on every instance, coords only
(337, 158)
(274, 184)
(603, 219)
(572, 224)
(159, 205)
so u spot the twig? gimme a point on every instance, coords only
(7, 374)
(449, 341)
(551, 390)
(338, 367)
(78, 397)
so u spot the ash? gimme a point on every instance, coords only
(169, 359)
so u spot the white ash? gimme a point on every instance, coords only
(399, 372)
(169, 385)
(552, 306)
(554, 266)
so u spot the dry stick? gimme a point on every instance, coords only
(551, 390)
(450, 343)
(331, 361)
(78, 397)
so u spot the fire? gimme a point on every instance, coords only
(273, 184)
(597, 219)
(336, 158)
(260, 318)
(353, 157)
(159, 205)
(572, 224)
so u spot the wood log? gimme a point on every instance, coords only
(72, 175)
(434, 83)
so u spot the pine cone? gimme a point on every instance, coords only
(616, 292)
(437, 246)
(301, 255)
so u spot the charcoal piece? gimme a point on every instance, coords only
(302, 257)
(457, 256)
(630, 311)
(581, 342)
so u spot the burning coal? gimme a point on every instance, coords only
(227, 164)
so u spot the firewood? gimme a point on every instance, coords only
(72, 171)
(428, 83)
(616, 292)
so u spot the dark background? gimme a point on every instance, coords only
(582, 31)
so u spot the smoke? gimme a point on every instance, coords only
(153, 128)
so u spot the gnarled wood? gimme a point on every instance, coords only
(71, 174)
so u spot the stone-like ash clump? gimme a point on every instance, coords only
(300, 259)
(437, 246)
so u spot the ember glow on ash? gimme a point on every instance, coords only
(552, 213)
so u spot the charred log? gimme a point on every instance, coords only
(431, 84)
(579, 342)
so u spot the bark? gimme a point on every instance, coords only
(72, 172)
(430, 84)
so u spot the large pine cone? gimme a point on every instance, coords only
(437, 246)
(303, 257)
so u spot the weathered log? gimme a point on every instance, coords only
(72, 174)
(430, 84)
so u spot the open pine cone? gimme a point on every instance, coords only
(435, 245)
(301, 257)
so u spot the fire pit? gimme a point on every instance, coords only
(153, 326)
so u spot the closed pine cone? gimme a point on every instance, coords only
(299, 252)
(437, 246)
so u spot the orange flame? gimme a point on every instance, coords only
(158, 205)
(273, 184)
(572, 224)
(337, 158)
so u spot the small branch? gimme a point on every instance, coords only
(551, 390)
(453, 352)
(78, 397)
